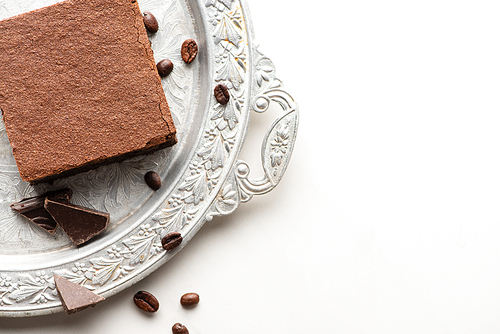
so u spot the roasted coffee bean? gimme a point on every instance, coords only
(146, 301)
(164, 67)
(153, 180)
(221, 94)
(171, 240)
(189, 50)
(150, 22)
(190, 299)
(179, 329)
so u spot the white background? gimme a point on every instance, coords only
(388, 218)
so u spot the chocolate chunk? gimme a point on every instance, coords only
(221, 94)
(164, 67)
(75, 297)
(150, 22)
(33, 208)
(79, 223)
(189, 50)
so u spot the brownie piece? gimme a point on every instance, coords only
(79, 88)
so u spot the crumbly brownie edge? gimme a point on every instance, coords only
(170, 141)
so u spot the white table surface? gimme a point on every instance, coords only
(388, 218)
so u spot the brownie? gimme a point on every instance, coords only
(79, 88)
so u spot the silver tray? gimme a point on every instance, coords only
(202, 176)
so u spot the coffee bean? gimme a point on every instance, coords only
(190, 299)
(189, 50)
(150, 22)
(146, 301)
(164, 67)
(179, 329)
(153, 180)
(221, 94)
(171, 240)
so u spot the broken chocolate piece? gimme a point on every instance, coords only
(75, 297)
(79, 223)
(33, 208)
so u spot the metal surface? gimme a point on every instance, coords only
(202, 176)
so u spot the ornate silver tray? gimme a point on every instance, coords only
(202, 176)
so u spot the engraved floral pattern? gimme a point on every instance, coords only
(6, 288)
(144, 245)
(8, 8)
(79, 274)
(12, 189)
(279, 145)
(262, 74)
(101, 188)
(39, 289)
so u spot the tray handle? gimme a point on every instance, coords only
(277, 145)
(279, 140)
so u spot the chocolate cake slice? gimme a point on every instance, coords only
(79, 88)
